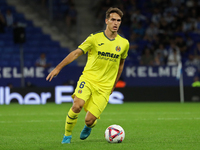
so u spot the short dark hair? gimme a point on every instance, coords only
(113, 10)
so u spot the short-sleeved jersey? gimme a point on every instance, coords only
(103, 60)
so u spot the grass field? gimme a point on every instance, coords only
(148, 126)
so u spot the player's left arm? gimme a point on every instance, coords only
(67, 60)
(121, 67)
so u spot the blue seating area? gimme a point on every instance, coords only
(155, 22)
(60, 7)
(36, 43)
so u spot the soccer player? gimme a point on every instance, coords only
(107, 51)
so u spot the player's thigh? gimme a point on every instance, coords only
(97, 104)
(101, 102)
(82, 90)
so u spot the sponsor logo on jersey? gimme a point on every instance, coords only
(107, 54)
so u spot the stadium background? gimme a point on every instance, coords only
(151, 114)
(154, 28)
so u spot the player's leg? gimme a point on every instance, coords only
(72, 115)
(90, 121)
(71, 118)
(94, 107)
(80, 96)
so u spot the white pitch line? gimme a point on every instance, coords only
(114, 113)
(153, 113)
(147, 119)
(31, 121)
(33, 114)
(143, 119)
(178, 118)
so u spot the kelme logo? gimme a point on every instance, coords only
(118, 48)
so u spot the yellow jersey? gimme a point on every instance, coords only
(103, 60)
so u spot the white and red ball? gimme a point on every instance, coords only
(114, 134)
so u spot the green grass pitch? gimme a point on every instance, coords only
(148, 126)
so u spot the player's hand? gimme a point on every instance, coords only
(52, 74)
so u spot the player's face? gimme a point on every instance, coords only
(113, 22)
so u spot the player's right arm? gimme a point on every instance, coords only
(67, 60)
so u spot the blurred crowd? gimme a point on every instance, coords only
(161, 32)
(6, 20)
(62, 9)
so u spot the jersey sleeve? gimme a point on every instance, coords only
(87, 44)
(125, 53)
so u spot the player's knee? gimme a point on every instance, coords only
(77, 105)
(89, 122)
(76, 108)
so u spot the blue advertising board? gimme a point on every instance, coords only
(157, 76)
(132, 75)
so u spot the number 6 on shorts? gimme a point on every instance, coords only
(82, 85)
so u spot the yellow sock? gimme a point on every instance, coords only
(92, 124)
(71, 120)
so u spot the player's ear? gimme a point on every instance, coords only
(106, 21)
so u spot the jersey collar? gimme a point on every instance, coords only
(107, 37)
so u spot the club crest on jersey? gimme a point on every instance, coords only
(118, 48)
(79, 91)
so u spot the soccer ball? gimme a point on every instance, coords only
(114, 134)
